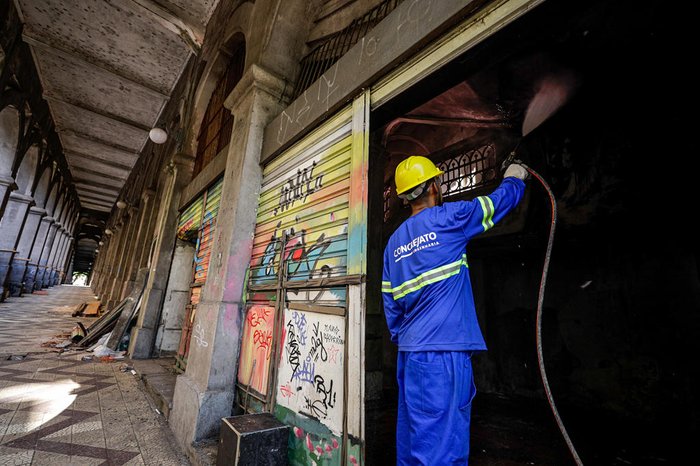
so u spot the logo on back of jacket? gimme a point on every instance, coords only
(425, 241)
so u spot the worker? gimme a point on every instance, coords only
(429, 309)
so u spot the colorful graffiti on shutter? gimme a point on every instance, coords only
(199, 217)
(206, 233)
(306, 198)
(304, 204)
(256, 348)
(190, 219)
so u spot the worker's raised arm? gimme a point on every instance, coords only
(484, 212)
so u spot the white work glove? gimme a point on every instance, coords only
(516, 170)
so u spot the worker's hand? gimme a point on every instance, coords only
(517, 170)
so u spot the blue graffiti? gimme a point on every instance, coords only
(300, 322)
(307, 372)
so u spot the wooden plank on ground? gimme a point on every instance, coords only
(92, 309)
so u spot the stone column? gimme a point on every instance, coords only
(52, 268)
(44, 258)
(96, 270)
(141, 241)
(10, 228)
(126, 252)
(24, 249)
(7, 185)
(107, 274)
(48, 271)
(144, 333)
(204, 394)
(64, 276)
(58, 260)
(35, 255)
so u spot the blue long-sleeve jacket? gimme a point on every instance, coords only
(428, 300)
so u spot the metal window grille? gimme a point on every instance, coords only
(215, 132)
(324, 55)
(387, 201)
(469, 170)
(466, 171)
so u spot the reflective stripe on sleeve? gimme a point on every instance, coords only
(426, 278)
(487, 207)
(386, 287)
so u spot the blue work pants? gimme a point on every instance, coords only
(436, 389)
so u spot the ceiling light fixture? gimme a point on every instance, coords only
(121, 204)
(158, 135)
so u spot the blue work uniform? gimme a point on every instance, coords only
(429, 308)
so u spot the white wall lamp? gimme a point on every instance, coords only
(158, 135)
(108, 232)
(101, 243)
(121, 204)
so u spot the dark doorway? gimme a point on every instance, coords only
(621, 319)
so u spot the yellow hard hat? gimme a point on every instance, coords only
(414, 171)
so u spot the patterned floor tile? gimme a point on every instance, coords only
(56, 409)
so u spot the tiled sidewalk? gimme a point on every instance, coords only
(56, 409)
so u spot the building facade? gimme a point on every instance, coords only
(259, 224)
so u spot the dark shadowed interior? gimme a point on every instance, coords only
(621, 314)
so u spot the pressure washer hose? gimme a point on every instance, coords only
(540, 303)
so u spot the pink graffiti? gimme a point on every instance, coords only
(263, 338)
(333, 352)
(257, 316)
(287, 392)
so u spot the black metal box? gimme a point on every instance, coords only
(252, 440)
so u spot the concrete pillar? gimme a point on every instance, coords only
(142, 241)
(57, 241)
(65, 262)
(107, 274)
(52, 268)
(144, 333)
(35, 255)
(177, 295)
(204, 394)
(57, 260)
(125, 254)
(7, 185)
(10, 228)
(24, 248)
(69, 271)
(97, 265)
(44, 258)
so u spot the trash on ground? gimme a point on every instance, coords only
(16, 357)
(107, 355)
(125, 368)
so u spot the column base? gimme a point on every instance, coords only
(197, 412)
(29, 278)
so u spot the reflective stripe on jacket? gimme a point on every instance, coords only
(428, 301)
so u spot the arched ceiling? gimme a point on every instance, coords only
(107, 69)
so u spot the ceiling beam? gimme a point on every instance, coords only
(96, 197)
(91, 189)
(66, 55)
(97, 202)
(97, 207)
(92, 158)
(101, 141)
(192, 35)
(84, 181)
(99, 174)
(52, 97)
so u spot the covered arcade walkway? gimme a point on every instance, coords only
(56, 409)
